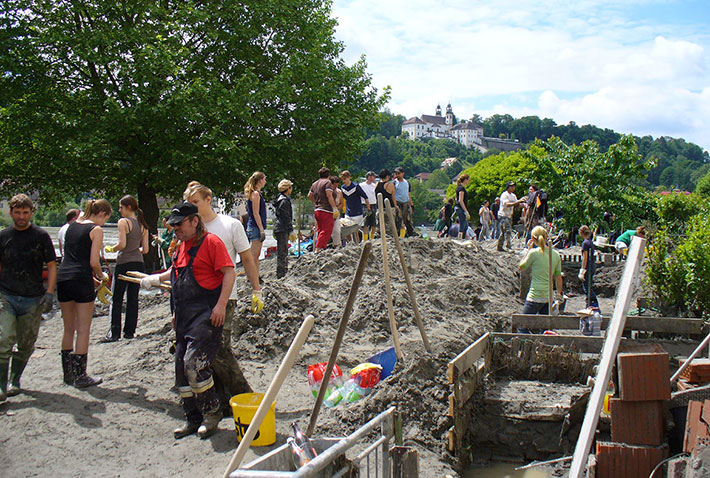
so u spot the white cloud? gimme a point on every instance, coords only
(610, 68)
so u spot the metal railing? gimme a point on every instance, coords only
(372, 462)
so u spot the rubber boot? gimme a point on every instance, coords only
(81, 379)
(187, 428)
(208, 403)
(3, 379)
(67, 368)
(16, 369)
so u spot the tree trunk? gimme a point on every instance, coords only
(148, 202)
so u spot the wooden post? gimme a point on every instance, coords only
(611, 346)
(364, 255)
(388, 285)
(405, 462)
(410, 289)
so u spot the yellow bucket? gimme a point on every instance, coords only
(244, 407)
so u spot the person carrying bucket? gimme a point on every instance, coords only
(202, 277)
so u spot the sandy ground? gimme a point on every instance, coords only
(124, 426)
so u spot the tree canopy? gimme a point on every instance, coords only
(143, 96)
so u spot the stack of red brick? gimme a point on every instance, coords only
(638, 417)
(697, 373)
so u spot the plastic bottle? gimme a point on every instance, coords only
(303, 442)
(596, 324)
(423, 232)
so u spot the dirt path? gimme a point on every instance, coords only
(124, 426)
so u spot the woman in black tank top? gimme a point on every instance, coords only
(386, 188)
(75, 289)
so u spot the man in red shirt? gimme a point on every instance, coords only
(326, 212)
(202, 276)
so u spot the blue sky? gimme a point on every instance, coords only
(636, 66)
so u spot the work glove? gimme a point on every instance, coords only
(45, 304)
(110, 248)
(262, 236)
(336, 214)
(468, 216)
(152, 280)
(103, 294)
(293, 237)
(581, 274)
(257, 301)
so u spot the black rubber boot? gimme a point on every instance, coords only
(4, 364)
(208, 403)
(81, 379)
(16, 369)
(187, 428)
(67, 368)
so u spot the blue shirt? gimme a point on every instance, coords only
(401, 191)
(353, 199)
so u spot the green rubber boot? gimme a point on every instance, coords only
(3, 379)
(16, 369)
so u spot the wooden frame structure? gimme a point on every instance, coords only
(673, 325)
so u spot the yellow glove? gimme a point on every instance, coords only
(293, 237)
(104, 279)
(110, 248)
(257, 301)
(336, 214)
(103, 294)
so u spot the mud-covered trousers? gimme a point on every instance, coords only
(197, 342)
(19, 325)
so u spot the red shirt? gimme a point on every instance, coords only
(211, 257)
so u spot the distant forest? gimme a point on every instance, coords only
(679, 164)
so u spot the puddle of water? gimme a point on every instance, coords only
(505, 470)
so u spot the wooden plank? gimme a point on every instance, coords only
(468, 357)
(452, 406)
(675, 325)
(583, 343)
(451, 439)
(465, 388)
(611, 345)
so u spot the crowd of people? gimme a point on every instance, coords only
(199, 250)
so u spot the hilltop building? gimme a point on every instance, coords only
(468, 133)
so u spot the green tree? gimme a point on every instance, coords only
(438, 180)
(703, 187)
(144, 96)
(424, 201)
(582, 182)
(488, 176)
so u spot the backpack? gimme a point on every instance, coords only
(541, 203)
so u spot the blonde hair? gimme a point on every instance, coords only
(195, 187)
(284, 184)
(96, 206)
(250, 186)
(539, 235)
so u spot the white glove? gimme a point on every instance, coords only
(150, 281)
(582, 272)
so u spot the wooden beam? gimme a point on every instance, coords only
(611, 345)
(584, 344)
(468, 357)
(676, 325)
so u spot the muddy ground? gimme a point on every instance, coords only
(124, 426)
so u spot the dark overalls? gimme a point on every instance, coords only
(197, 340)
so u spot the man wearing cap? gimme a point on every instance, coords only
(508, 201)
(403, 196)
(371, 217)
(229, 379)
(283, 226)
(202, 277)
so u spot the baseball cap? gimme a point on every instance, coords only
(181, 211)
(399, 169)
(510, 183)
(370, 173)
(284, 184)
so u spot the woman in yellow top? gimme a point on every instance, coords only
(538, 259)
